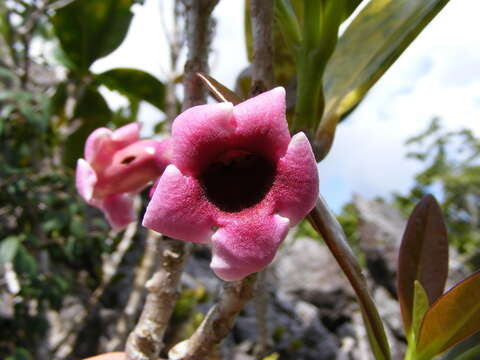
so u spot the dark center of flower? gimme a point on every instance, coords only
(128, 160)
(237, 180)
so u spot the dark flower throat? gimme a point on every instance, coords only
(238, 180)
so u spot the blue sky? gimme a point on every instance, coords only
(438, 75)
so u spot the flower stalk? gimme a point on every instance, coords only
(327, 226)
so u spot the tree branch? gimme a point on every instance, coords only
(146, 340)
(217, 322)
(136, 298)
(199, 31)
(262, 22)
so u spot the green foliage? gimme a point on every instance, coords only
(48, 236)
(89, 30)
(135, 84)
(452, 170)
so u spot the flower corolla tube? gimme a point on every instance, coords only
(238, 180)
(118, 165)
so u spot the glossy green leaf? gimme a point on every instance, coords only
(420, 307)
(92, 112)
(423, 256)
(452, 318)
(8, 249)
(372, 42)
(325, 223)
(89, 30)
(24, 262)
(135, 84)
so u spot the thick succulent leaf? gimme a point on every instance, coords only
(423, 256)
(135, 84)
(89, 30)
(92, 112)
(372, 42)
(451, 319)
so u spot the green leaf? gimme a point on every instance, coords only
(92, 112)
(372, 42)
(8, 249)
(423, 256)
(20, 354)
(24, 263)
(135, 84)
(420, 307)
(471, 354)
(464, 348)
(453, 317)
(89, 30)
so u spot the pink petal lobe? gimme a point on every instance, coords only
(85, 180)
(296, 185)
(247, 246)
(98, 145)
(261, 125)
(179, 209)
(119, 210)
(132, 168)
(200, 134)
(126, 135)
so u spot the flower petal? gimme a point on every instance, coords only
(178, 208)
(126, 135)
(200, 133)
(119, 210)
(102, 143)
(261, 125)
(96, 143)
(85, 180)
(296, 185)
(132, 168)
(247, 246)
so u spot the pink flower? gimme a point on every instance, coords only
(237, 179)
(117, 166)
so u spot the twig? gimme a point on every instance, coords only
(176, 41)
(199, 30)
(217, 322)
(262, 22)
(136, 297)
(146, 340)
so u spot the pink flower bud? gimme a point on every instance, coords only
(117, 166)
